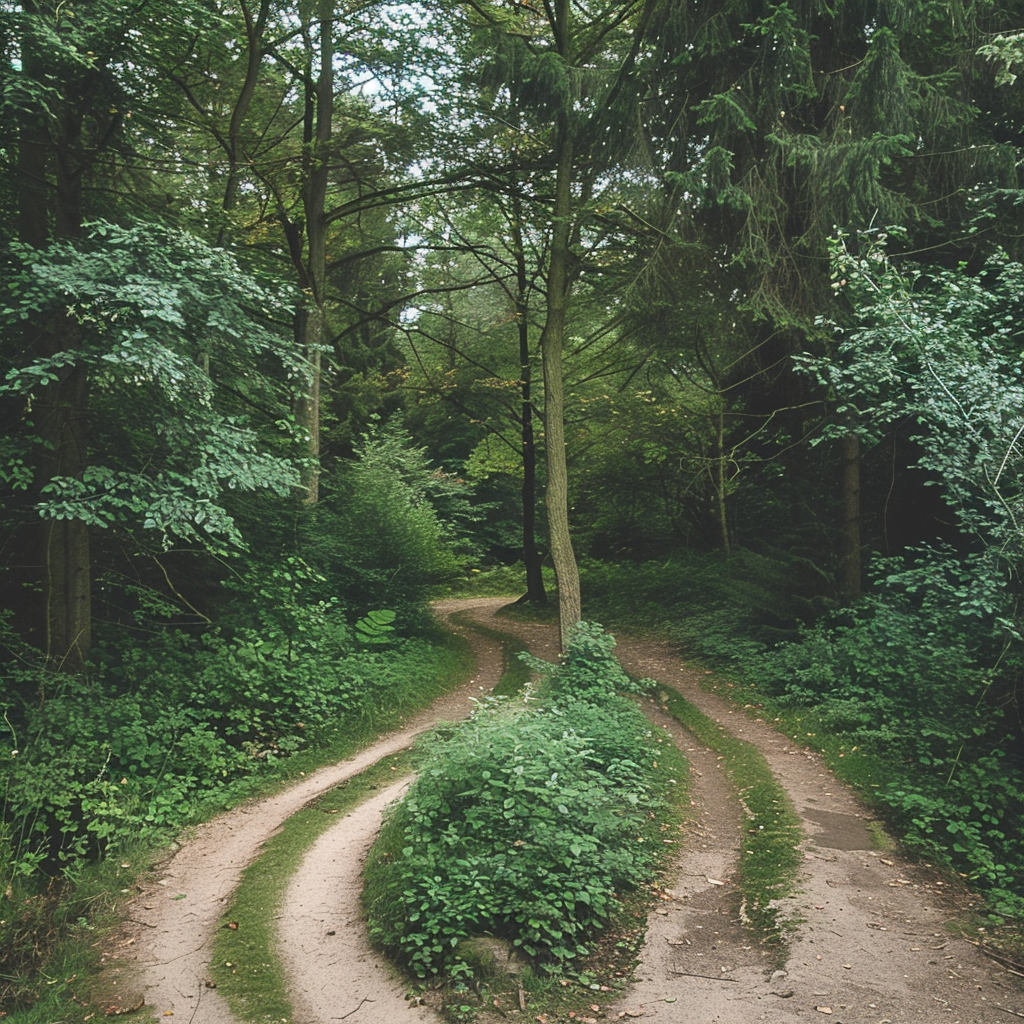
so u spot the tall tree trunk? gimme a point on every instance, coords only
(551, 344)
(319, 119)
(50, 142)
(849, 576)
(535, 592)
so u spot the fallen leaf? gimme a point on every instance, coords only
(233, 925)
(714, 881)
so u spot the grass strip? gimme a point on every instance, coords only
(515, 674)
(245, 964)
(769, 858)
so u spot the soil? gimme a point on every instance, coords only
(875, 939)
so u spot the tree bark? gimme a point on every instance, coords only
(50, 165)
(551, 344)
(311, 317)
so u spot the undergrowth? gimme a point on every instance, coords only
(94, 774)
(913, 692)
(910, 718)
(525, 824)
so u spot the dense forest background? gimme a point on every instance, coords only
(310, 308)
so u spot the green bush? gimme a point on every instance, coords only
(902, 683)
(390, 525)
(91, 764)
(524, 824)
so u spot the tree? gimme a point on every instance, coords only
(569, 68)
(793, 117)
(169, 438)
(65, 100)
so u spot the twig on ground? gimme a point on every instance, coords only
(710, 977)
(1006, 1010)
(365, 999)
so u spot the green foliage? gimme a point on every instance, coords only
(1007, 53)
(921, 672)
(589, 671)
(90, 767)
(524, 824)
(717, 608)
(899, 679)
(391, 525)
(149, 308)
(99, 761)
(375, 627)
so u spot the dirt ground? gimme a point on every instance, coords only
(875, 941)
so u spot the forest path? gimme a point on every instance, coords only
(875, 937)
(873, 943)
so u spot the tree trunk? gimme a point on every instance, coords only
(535, 592)
(50, 142)
(65, 544)
(849, 576)
(551, 343)
(318, 130)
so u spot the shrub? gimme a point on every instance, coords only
(721, 609)
(902, 683)
(524, 824)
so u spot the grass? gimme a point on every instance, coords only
(66, 929)
(495, 582)
(245, 964)
(516, 674)
(769, 858)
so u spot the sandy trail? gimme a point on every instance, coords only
(873, 945)
(163, 958)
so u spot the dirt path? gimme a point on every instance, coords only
(164, 955)
(873, 945)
